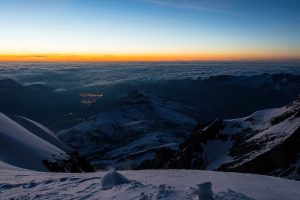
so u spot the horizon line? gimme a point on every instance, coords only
(92, 58)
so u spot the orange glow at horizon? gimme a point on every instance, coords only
(141, 57)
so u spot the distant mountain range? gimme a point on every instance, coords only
(227, 96)
(223, 96)
(64, 108)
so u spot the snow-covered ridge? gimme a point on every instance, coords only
(27, 144)
(131, 131)
(266, 142)
(22, 148)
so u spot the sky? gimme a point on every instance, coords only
(128, 30)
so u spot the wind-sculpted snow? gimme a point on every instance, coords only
(143, 185)
(131, 131)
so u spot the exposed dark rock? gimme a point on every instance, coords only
(74, 164)
(162, 155)
(279, 161)
(189, 154)
(284, 116)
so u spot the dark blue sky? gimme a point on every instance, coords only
(192, 27)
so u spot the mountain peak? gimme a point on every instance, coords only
(135, 97)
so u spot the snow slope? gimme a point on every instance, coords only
(28, 144)
(18, 183)
(21, 147)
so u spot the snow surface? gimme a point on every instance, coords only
(39, 130)
(19, 183)
(26, 144)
